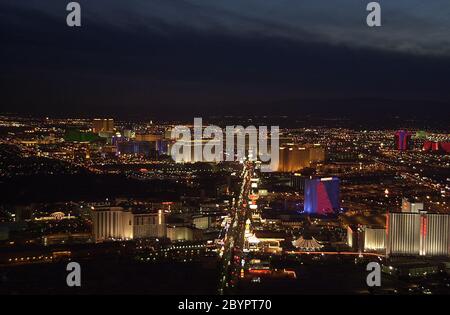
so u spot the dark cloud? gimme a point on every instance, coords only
(166, 56)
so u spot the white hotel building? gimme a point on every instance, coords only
(116, 223)
(422, 233)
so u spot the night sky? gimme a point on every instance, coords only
(191, 57)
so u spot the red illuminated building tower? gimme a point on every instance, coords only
(403, 140)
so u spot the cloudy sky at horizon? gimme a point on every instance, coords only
(222, 51)
(413, 26)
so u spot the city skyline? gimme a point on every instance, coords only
(110, 194)
(224, 152)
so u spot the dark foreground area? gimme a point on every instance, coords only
(113, 276)
(121, 275)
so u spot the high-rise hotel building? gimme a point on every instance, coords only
(102, 125)
(403, 140)
(374, 238)
(293, 158)
(117, 223)
(411, 206)
(322, 195)
(422, 233)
